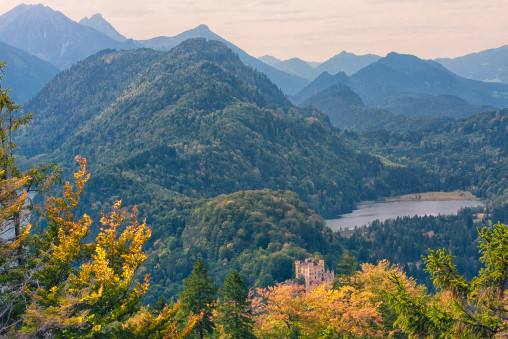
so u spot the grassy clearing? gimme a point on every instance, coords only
(434, 196)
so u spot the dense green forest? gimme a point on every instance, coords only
(226, 170)
(258, 233)
(405, 239)
(195, 122)
(170, 131)
(468, 154)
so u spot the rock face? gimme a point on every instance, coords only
(51, 36)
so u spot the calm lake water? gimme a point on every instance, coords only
(368, 212)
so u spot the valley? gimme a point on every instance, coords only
(240, 164)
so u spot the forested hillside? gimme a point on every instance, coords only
(164, 130)
(164, 188)
(468, 154)
(195, 121)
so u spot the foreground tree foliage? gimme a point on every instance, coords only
(15, 267)
(88, 289)
(233, 313)
(198, 297)
(288, 311)
(56, 282)
(475, 309)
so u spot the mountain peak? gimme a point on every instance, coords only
(51, 36)
(202, 28)
(98, 23)
(27, 9)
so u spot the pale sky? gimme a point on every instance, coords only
(313, 30)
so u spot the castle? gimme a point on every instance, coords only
(314, 274)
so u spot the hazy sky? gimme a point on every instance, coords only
(312, 30)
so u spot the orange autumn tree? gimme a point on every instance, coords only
(378, 281)
(280, 311)
(88, 289)
(288, 311)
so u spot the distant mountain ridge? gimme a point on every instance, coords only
(345, 62)
(25, 74)
(289, 83)
(400, 73)
(401, 78)
(51, 36)
(490, 65)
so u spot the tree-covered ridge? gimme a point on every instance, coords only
(197, 122)
(79, 94)
(468, 154)
(346, 110)
(258, 233)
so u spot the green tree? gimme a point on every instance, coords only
(475, 309)
(233, 315)
(198, 297)
(348, 264)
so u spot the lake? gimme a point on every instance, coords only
(370, 211)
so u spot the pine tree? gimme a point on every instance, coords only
(198, 297)
(233, 315)
(460, 309)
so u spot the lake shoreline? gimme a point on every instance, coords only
(433, 196)
(418, 204)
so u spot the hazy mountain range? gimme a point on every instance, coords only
(25, 73)
(348, 63)
(489, 65)
(405, 84)
(401, 84)
(51, 36)
(97, 22)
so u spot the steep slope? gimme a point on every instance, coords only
(489, 65)
(398, 74)
(289, 83)
(24, 72)
(194, 121)
(79, 94)
(98, 23)
(51, 36)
